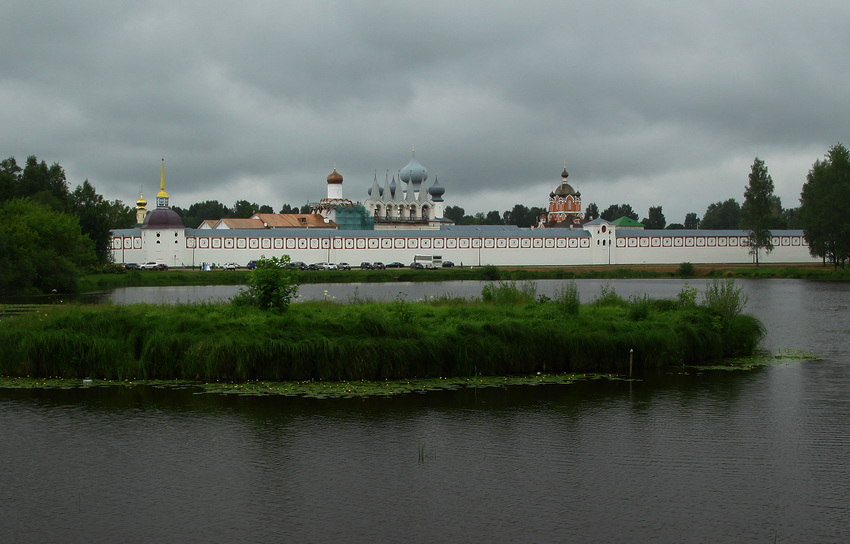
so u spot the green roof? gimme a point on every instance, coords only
(626, 221)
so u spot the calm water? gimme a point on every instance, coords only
(681, 457)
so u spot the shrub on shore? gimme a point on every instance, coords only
(271, 285)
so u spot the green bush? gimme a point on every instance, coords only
(271, 285)
(567, 298)
(490, 272)
(639, 307)
(687, 296)
(609, 297)
(685, 270)
(724, 298)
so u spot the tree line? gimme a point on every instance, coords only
(49, 234)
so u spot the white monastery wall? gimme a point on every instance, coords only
(472, 247)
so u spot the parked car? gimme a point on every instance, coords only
(251, 265)
(314, 266)
(417, 266)
(329, 266)
(131, 266)
(230, 266)
(365, 266)
(377, 265)
(298, 265)
(448, 264)
(344, 266)
(394, 264)
(153, 265)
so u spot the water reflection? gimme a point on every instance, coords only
(683, 457)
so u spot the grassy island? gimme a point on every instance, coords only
(510, 330)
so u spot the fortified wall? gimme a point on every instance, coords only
(599, 243)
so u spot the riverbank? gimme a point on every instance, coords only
(515, 333)
(135, 278)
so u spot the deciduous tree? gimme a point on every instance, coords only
(454, 213)
(616, 211)
(823, 206)
(721, 216)
(244, 209)
(41, 249)
(757, 211)
(97, 218)
(656, 219)
(493, 218)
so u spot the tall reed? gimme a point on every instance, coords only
(329, 341)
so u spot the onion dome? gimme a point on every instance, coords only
(414, 172)
(141, 203)
(436, 191)
(163, 218)
(565, 189)
(393, 187)
(335, 177)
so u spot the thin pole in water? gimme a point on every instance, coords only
(631, 360)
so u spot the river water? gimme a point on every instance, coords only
(686, 456)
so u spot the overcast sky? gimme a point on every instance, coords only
(648, 102)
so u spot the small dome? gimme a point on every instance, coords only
(163, 218)
(141, 203)
(436, 191)
(335, 177)
(565, 174)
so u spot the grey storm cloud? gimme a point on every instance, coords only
(650, 103)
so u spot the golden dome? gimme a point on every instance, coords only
(335, 177)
